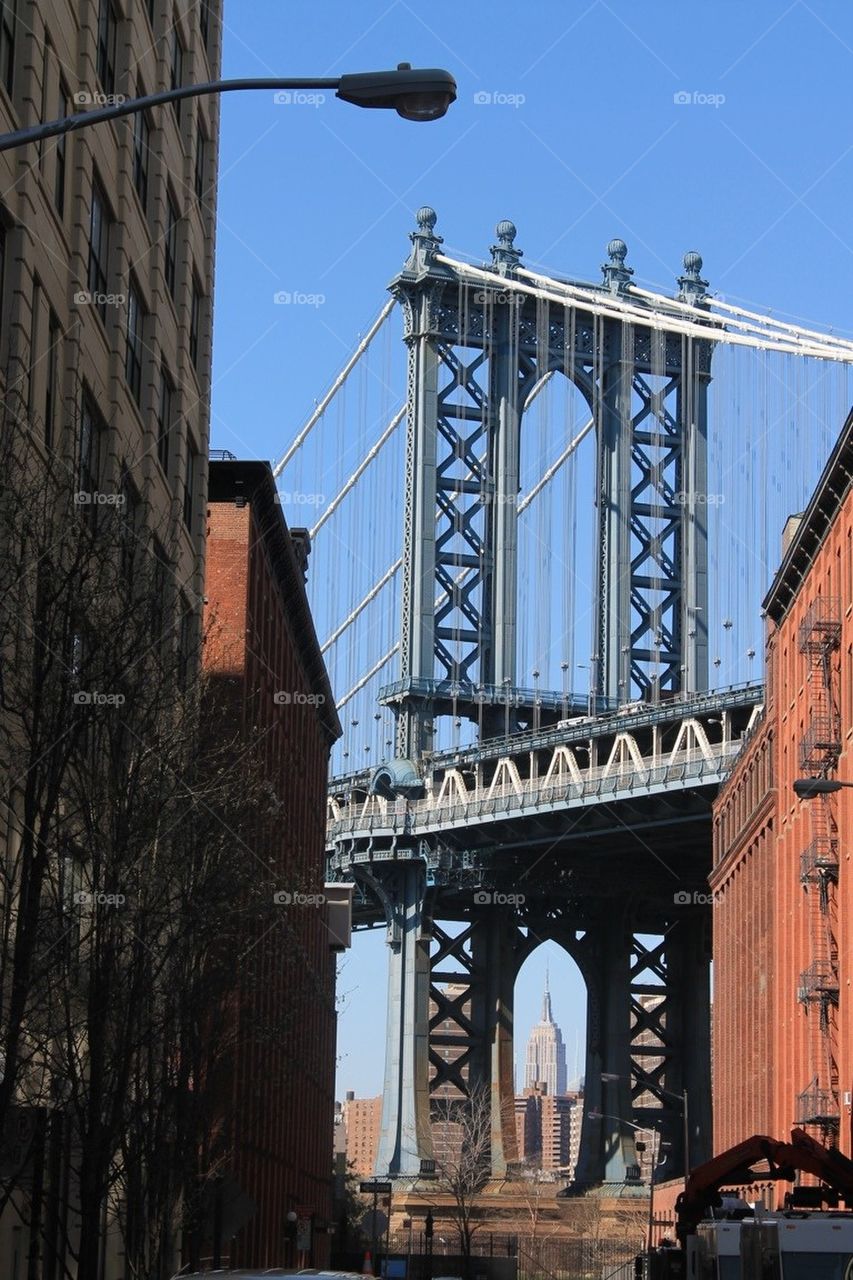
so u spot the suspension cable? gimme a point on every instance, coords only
(339, 381)
(360, 470)
(598, 303)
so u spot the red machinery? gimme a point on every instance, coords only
(734, 1168)
(740, 1242)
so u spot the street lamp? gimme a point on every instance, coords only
(641, 1147)
(808, 788)
(608, 1077)
(414, 93)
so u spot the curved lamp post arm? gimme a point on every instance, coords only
(414, 94)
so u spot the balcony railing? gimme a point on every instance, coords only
(818, 1106)
(818, 984)
(820, 629)
(819, 863)
(821, 744)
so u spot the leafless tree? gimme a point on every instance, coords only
(462, 1133)
(131, 882)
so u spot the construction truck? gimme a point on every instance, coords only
(723, 1237)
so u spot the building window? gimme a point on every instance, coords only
(2, 273)
(195, 322)
(133, 356)
(51, 390)
(170, 245)
(141, 144)
(200, 162)
(130, 513)
(165, 417)
(177, 68)
(89, 460)
(159, 591)
(204, 20)
(150, 8)
(185, 642)
(35, 344)
(190, 476)
(45, 93)
(60, 144)
(107, 25)
(8, 19)
(99, 250)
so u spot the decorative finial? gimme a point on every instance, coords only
(616, 274)
(691, 286)
(426, 219)
(505, 256)
(424, 241)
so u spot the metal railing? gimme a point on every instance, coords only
(375, 813)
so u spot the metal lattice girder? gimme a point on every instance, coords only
(651, 1048)
(476, 356)
(451, 990)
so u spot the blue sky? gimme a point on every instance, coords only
(582, 138)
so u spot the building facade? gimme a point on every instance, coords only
(107, 249)
(545, 1060)
(262, 644)
(360, 1118)
(106, 278)
(783, 893)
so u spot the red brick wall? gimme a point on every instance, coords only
(744, 954)
(767, 1046)
(283, 1087)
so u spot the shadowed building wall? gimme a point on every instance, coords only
(262, 639)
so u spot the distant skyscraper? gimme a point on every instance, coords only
(546, 1052)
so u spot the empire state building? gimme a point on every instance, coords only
(546, 1053)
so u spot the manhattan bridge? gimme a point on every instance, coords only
(551, 513)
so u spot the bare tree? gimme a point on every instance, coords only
(131, 880)
(462, 1133)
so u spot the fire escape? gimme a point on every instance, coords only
(819, 637)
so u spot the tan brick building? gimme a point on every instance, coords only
(361, 1120)
(106, 248)
(106, 279)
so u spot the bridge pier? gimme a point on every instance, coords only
(406, 1137)
(690, 1027)
(607, 1144)
(495, 946)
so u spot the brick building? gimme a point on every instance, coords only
(548, 1128)
(361, 1118)
(106, 280)
(782, 883)
(262, 641)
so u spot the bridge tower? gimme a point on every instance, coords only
(479, 347)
